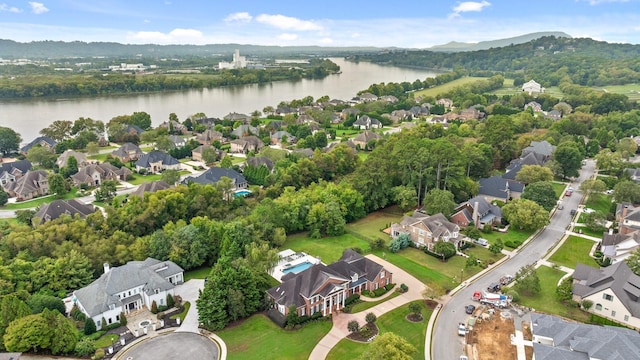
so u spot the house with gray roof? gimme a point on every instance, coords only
(196, 154)
(127, 152)
(81, 158)
(258, 161)
(96, 174)
(322, 288)
(213, 175)
(177, 141)
(244, 130)
(534, 105)
(362, 140)
(618, 247)
(425, 230)
(542, 148)
(43, 141)
(150, 187)
(157, 161)
(477, 211)
(57, 208)
(10, 171)
(123, 289)
(246, 144)
(499, 188)
(614, 291)
(34, 183)
(209, 136)
(627, 217)
(365, 122)
(234, 116)
(634, 174)
(279, 136)
(557, 339)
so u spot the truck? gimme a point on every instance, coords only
(486, 298)
(462, 329)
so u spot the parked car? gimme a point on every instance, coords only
(469, 309)
(482, 241)
(573, 212)
(568, 193)
(494, 287)
(462, 329)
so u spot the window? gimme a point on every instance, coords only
(129, 293)
(613, 313)
(607, 297)
(421, 232)
(161, 301)
(381, 274)
(110, 321)
(117, 317)
(98, 324)
(157, 291)
(598, 307)
(302, 311)
(626, 318)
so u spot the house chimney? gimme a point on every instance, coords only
(475, 215)
(610, 231)
(624, 211)
(106, 267)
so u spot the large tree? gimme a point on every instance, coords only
(627, 147)
(530, 174)
(9, 140)
(608, 160)
(11, 308)
(389, 346)
(626, 191)
(568, 158)
(542, 193)
(593, 186)
(48, 330)
(59, 130)
(439, 201)
(57, 185)
(525, 214)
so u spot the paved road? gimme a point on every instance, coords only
(446, 344)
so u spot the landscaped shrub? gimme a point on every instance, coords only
(353, 299)
(402, 241)
(510, 244)
(379, 292)
(404, 288)
(89, 326)
(98, 355)
(170, 301)
(587, 304)
(370, 318)
(85, 347)
(436, 255)
(154, 307)
(377, 244)
(123, 319)
(366, 293)
(353, 326)
(162, 308)
(389, 286)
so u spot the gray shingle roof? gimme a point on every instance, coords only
(214, 174)
(57, 208)
(145, 160)
(618, 278)
(575, 341)
(152, 186)
(100, 294)
(39, 140)
(21, 165)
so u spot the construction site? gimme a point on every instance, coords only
(493, 333)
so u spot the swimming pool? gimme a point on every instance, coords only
(297, 268)
(242, 192)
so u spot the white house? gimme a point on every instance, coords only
(614, 291)
(531, 87)
(618, 247)
(127, 288)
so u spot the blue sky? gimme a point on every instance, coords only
(401, 23)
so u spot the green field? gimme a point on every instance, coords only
(516, 236)
(632, 91)
(546, 301)
(600, 202)
(394, 321)
(574, 250)
(559, 188)
(260, 338)
(440, 89)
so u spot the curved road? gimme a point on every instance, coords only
(446, 344)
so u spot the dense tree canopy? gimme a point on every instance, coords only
(9, 140)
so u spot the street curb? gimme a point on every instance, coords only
(427, 339)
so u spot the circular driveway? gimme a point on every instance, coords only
(177, 345)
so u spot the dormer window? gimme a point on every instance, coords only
(354, 277)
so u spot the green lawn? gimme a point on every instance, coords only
(632, 91)
(363, 155)
(514, 235)
(106, 340)
(440, 89)
(599, 202)
(364, 305)
(259, 338)
(429, 270)
(140, 179)
(546, 300)
(199, 273)
(587, 231)
(574, 250)
(99, 157)
(329, 249)
(183, 314)
(395, 322)
(359, 234)
(559, 188)
(39, 201)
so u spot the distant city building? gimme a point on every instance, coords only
(239, 62)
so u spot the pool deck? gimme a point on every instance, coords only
(289, 259)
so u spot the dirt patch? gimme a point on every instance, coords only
(366, 332)
(431, 304)
(492, 339)
(414, 318)
(526, 331)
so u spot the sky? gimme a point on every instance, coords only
(380, 23)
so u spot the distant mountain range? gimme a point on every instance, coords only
(10, 49)
(484, 45)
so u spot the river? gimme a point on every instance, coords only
(28, 117)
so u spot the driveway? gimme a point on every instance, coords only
(339, 330)
(189, 292)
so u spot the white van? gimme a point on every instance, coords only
(482, 241)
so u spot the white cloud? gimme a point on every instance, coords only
(239, 16)
(468, 6)
(175, 36)
(288, 37)
(13, 9)
(37, 7)
(326, 41)
(597, 2)
(287, 22)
